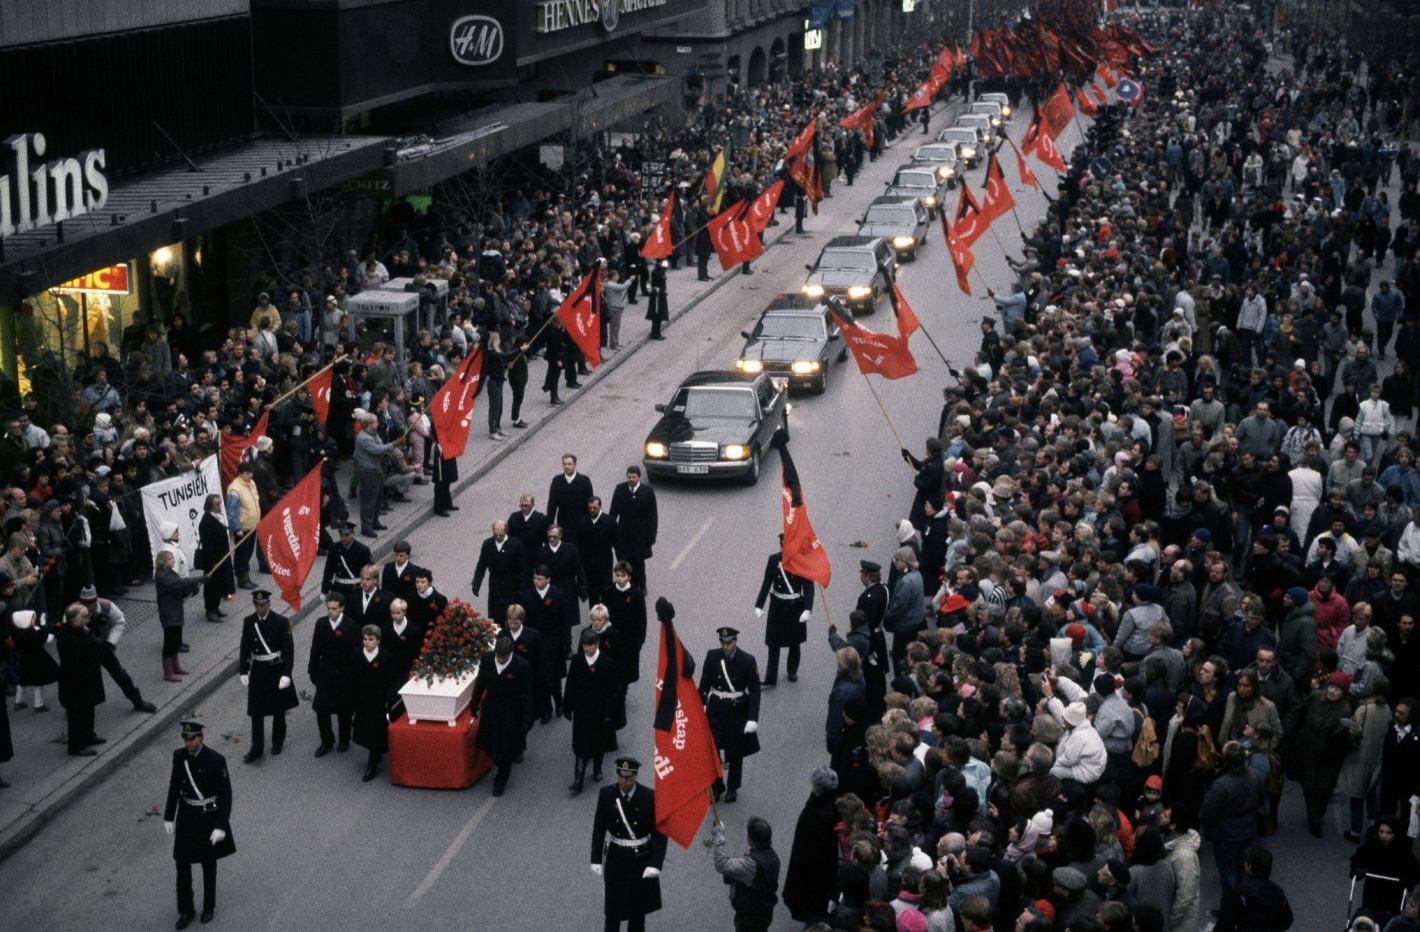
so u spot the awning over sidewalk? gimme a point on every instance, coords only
(505, 128)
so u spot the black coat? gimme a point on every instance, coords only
(596, 550)
(789, 596)
(507, 573)
(531, 531)
(628, 894)
(547, 615)
(627, 613)
(345, 561)
(727, 716)
(213, 543)
(261, 637)
(503, 703)
(172, 590)
(637, 521)
(33, 664)
(812, 877)
(192, 841)
(400, 583)
(403, 648)
(424, 610)
(377, 614)
(529, 646)
(332, 658)
(81, 682)
(375, 689)
(590, 701)
(567, 505)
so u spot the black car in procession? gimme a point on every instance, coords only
(717, 424)
(795, 338)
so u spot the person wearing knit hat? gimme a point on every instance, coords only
(1322, 742)
(1068, 881)
(1076, 634)
(911, 920)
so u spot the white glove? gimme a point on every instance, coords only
(170, 827)
(650, 873)
(759, 613)
(285, 683)
(597, 869)
(217, 836)
(246, 680)
(804, 618)
(751, 727)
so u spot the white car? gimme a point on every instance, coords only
(1003, 100)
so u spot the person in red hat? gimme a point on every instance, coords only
(1322, 743)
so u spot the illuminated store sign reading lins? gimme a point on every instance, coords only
(35, 193)
(557, 15)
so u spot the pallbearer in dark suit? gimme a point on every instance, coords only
(615, 645)
(397, 576)
(528, 526)
(503, 703)
(590, 703)
(344, 561)
(374, 687)
(501, 558)
(544, 607)
(626, 607)
(369, 605)
(428, 603)
(198, 816)
(596, 548)
(627, 850)
(268, 657)
(791, 599)
(729, 687)
(528, 645)
(402, 639)
(564, 564)
(333, 645)
(633, 508)
(567, 500)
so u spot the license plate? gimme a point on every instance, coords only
(693, 470)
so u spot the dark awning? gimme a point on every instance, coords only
(503, 129)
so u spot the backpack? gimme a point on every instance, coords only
(1146, 746)
(1206, 758)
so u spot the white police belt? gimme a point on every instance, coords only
(266, 657)
(630, 842)
(791, 596)
(724, 695)
(345, 582)
(201, 803)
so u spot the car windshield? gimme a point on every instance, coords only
(856, 259)
(699, 403)
(789, 327)
(914, 180)
(894, 215)
(936, 154)
(959, 135)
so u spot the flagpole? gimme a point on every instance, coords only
(228, 555)
(886, 416)
(313, 377)
(823, 600)
(545, 324)
(934, 343)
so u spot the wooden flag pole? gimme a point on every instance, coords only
(228, 555)
(934, 344)
(823, 600)
(886, 416)
(311, 378)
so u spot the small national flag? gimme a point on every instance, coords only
(581, 314)
(660, 245)
(879, 353)
(1087, 106)
(802, 553)
(998, 199)
(717, 178)
(962, 257)
(687, 763)
(733, 236)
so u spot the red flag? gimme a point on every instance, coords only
(319, 387)
(802, 141)
(687, 763)
(804, 169)
(962, 257)
(452, 410)
(907, 322)
(862, 118)
(1057, 112)
(733, 237)
(1031, 136)
(970, 223)
(581, 314)
(998, 197)
(288, 535)
(660, 246)
(922, 97)
(888, 356)
(1027, 176)
(1099, 96)
(1046, 151)
(761, 209)
(235, 449)
(801, 553)
(1087, 106)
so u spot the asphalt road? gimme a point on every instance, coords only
(318, 849)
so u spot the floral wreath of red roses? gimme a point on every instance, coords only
(454, 643)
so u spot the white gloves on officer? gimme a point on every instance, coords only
(217, 836)
(751, 727)
(246, 680)
(170, 827)
(285, 683)
(804, 618)
(650, 872)
(759, 613)
(597, 869)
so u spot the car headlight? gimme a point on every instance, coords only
(945, 171)
(859, 291)
(995, 121)
(751, 366)
(735, 451)
(655, 450)
(1005, 111)
(968, 153)
(813, 291)
(930, 200)
(804, 368)
(903, 242)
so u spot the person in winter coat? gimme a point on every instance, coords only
(81, 683)
(1184, 780)
(1360, 778)
(1182, 845)
(1386, 853)
(1080, 756)
(1374, 425)
(1409, 918)
(1321, 746)
(589, 702)
(32, 664)
(846, 685)
(810, 880)
(172, 590)
(904, 616)
(1151, 876)
(1257, 904)
(374, 688)
(1229, 814)
(1297, 642)
(1307, 487)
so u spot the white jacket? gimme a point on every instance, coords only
(1080, 755)
(1374, 419)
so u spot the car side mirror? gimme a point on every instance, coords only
(809, 266)
(745, 334)
(661, 409)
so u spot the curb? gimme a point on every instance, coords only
(208, 681)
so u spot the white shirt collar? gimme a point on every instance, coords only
(399, 626)
(542, 593)
(568, 479)
(500, 666)
(624, 588)
(555, 547)
(515, 634)
(592, 660)
(370, 655)
(336, 622)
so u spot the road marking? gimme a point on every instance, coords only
(454, 848)
(693, 541)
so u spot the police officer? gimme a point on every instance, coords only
(658, 312)
(268, 655)
(873, 603)
(791, 601)
(198, 817)
(344, 561)
(729, 687)
(627, 850)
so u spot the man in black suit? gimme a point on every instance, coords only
(564, 563)
(370, 605)
(402, 638)
(729, 687)
(334, 642)
(428, 603)
(629, 861)
(626, 608)
(267, 661)
(545, 609)
(201, 827)
(633, 508)
(528, 645)
(567, 499)
(81, 681)
(598, 535)
(397, 577)
(528, 526)
(503, 703)
(502, 558)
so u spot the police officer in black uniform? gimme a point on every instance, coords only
(344, 561)
(658, 311)
(729, 687)
(198, 816)
(268, 655)
(791, 600)
(627, 850)
(873, 603)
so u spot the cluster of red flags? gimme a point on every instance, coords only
(861, 119)
(801, 163)
(1053, 41)
(736, 233)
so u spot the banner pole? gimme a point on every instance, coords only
(228, 555)
(886, 417)
(313, 377)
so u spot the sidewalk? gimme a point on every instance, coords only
(44, 778)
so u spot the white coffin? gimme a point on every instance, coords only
(444, 699)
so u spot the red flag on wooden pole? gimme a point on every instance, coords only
(1057, 112)
(733, 237)
(1027, 176)
(660, 245)
(452, 409)
(878, 353)
(319, 388)
(970, 224)
(581, 314)
(687, 764)
(1087, 106)
(962, 256)
(998, 199)
(235, 449)
(761, 209)
(288, 535)
(802, 553)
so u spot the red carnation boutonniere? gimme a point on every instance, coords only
(592, 668)
(507, 676)
(547, 603)
(375, 665)
(339, 633)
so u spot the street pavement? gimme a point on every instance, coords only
(318, 849)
